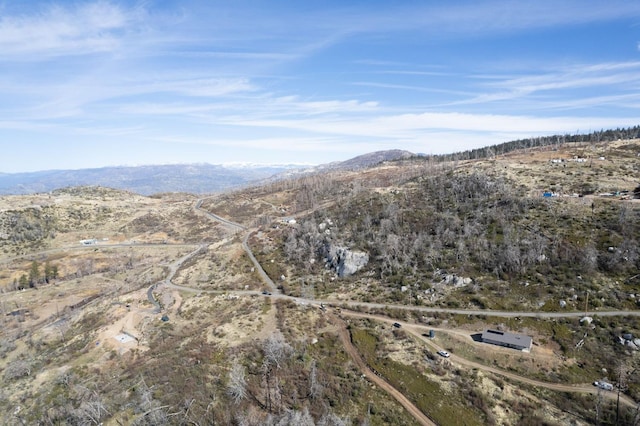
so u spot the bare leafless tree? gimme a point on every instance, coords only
(315, 388)
(599, 399)
(92, 409)
(153, 413)
(276, 349)
(292, 417)
(237, 385)
(330, 419)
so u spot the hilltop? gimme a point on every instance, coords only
(126, 309)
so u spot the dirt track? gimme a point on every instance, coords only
(417, 331)
(380, 382)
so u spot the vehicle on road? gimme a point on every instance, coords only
(603, 385)
(266, 293)
(444, 354)
(397, 325)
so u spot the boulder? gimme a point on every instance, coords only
(587, 320)
(345, 261)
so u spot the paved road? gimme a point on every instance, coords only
(245, 245)
(474, 312)
(411, 328)
(226, 222)
(267, 280)
(173, 269)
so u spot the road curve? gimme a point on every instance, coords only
(413, 329)
(379, 381)
(417, 330)
(245, 245)
(217, 218)
(173, 269)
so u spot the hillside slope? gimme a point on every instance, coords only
(125, 309)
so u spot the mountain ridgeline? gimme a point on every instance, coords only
(144, 180)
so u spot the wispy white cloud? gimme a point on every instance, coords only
(621, 76)
(413, 126)
(196, 87)
(259, 105)
(76, 98)
(630, 100)
(245, 56)
(297, 106)
(412, 88)
(292, 78)
(64, 31)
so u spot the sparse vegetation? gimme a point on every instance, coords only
(82, 342)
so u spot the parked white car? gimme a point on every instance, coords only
(444, 354)
(603, 385)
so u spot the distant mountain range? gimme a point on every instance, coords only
(191, 178)
(145, 180)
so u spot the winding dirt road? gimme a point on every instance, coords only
(417, 331)
(379, 381)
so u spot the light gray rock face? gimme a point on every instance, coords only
(345, 261)
(451, 279)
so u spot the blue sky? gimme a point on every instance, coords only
(97, 83)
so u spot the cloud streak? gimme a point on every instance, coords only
(326, 80)
(64, 31)
(617, 78)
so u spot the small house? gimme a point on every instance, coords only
(508, 340)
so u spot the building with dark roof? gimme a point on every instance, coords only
(508, 340)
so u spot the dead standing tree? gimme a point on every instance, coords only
(237, 385)
(276, 351)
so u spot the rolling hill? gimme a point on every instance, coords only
(128, 309)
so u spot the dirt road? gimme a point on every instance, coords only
(417, 331)
(379, 381)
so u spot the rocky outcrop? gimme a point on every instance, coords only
(451, 279)
(345, 261)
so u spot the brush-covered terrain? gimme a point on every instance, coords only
(122, 309)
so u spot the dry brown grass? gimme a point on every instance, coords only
(70, 324)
